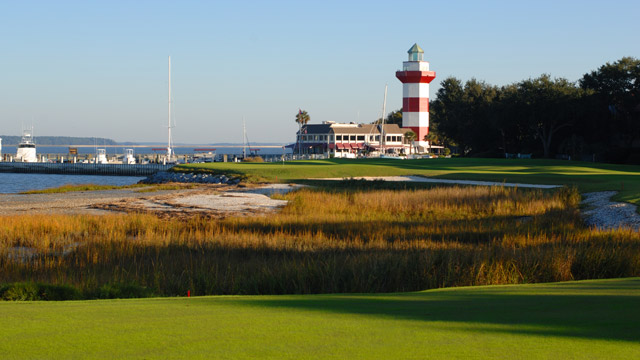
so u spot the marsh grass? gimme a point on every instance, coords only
(327, 241)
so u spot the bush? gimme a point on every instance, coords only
(29, 291)
(253, 159)
(120, 291)
(447, 151)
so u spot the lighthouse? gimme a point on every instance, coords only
(415, 77)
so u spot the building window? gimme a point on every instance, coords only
(331, 138)
(352, 138)
(360, 138)
(338, 137)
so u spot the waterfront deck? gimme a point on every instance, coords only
(83, 169)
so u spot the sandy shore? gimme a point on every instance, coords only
(215, 201)
(606, 214)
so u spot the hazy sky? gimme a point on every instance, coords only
(99, 68)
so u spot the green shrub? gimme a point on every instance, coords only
(120, 291)
(29, 291)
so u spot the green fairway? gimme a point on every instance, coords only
(586, 176)
(587, 319)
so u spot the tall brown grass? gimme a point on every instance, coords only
(326, 242)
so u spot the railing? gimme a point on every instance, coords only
(83, 169)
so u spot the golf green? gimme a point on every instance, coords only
(595, 319)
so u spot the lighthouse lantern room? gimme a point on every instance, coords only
(415, 77)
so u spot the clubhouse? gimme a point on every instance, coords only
(350, 140)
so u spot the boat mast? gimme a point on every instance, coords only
(169, 150)
(244, 140)
(384, 110)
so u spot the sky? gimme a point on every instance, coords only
(99, 68)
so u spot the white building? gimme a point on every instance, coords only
(350, 140)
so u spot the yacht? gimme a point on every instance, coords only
(128, 157)
(27, 147)
(101, 156)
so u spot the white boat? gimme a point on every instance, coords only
(101, 156)
(128, 157)
(27, 147)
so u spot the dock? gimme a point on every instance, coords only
(83, 169)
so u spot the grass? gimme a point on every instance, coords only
(574, 320)
(327, 241)
(583, 175)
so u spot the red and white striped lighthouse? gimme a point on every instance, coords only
(415, 77)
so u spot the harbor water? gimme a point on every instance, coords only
(16, 183)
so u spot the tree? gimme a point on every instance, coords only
(615, 101)
(394, 117)
(302, 118)
(547, 106)
(461, 113)
(410, 137)
(447, 110)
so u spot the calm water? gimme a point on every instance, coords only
(15, 183)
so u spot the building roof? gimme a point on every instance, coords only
(350, 129)
(415, 49)
(316, 128)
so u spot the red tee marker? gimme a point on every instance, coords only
(188, 293)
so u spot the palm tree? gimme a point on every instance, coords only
(410, 137)
(302, 118)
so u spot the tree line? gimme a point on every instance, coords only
(596, 117)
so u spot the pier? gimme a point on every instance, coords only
(83, 169)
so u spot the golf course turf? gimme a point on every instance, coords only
(586, 319)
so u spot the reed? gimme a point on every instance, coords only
(326, 241)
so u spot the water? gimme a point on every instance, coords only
(15, 183)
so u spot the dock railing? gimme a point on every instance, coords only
(83, 169)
